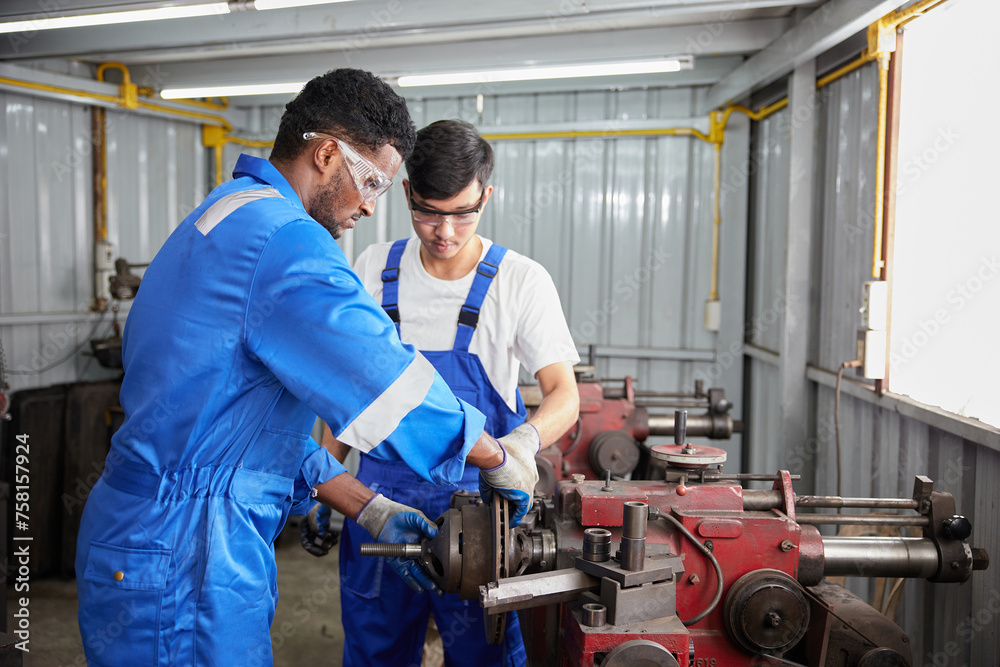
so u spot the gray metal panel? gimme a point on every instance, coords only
(623, 225)
(155, 177)
(882, 450)
(771, 164)
(846, 205)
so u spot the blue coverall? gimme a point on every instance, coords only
(249, 322)
(385, 621)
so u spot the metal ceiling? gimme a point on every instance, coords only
(736, 43)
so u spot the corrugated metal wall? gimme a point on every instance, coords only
(882, 450)
(623, 225)
(156, 173)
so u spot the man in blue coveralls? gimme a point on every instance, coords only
(477, 312)
(248, 324)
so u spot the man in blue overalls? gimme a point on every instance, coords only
(248, 324)
(477, 312)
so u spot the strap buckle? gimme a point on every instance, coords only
(487, 269)
(468, 316)
(390, 274)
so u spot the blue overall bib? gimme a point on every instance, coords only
(385, 622)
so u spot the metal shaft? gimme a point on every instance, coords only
(761, 499)
(861, 520)
(635, 515)
(879, 557)
(390, 550)
(696, 425)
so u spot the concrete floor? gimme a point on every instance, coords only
(306, 629)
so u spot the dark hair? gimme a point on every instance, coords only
(349, 102)
(447, 157)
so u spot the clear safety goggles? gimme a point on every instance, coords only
(371, 181)
(434, 218)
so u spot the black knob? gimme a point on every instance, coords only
(957, 527)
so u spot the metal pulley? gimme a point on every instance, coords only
(766, 612)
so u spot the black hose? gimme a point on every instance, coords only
(711, 558)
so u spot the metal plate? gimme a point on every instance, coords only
(696, 456)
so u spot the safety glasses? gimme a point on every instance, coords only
(371, 181)
(434, 218)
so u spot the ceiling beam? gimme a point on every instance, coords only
(746, 37)
(359, 25)
(822, 29)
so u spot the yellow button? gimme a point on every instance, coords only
(119, 575)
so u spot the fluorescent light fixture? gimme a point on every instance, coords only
(263, 5)
(232, 91)
(555, 72)
(111, 18)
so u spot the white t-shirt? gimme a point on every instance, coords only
(521, 321)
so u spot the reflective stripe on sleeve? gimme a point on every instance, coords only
(221, 209)
(383, 415)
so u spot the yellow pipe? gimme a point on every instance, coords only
(599, 134)
(249, 143)
(713, 294)
(218, 163)
(883, 105)
(31, 85)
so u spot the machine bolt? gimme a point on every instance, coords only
(694, 580)
(577, 478)
(773, 619)
(787, 545)
(607, 481)
(954, 565)
(710, 545)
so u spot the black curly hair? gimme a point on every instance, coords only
(448, 156)
(349, 102)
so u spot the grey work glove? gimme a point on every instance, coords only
(515, 478)
(389, 521)
(315, 533)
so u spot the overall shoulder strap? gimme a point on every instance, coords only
(468, 316)
(390, 281)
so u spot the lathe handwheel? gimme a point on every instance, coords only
(496, 624)
(766, 612)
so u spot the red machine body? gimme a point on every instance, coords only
(742, 542)
(615, 419)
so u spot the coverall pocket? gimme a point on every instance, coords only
(359, 575)
(121, 595)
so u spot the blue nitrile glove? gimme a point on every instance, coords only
(315, 532)
(389, 521)
(516, 477)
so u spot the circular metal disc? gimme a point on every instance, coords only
(615, 451)
(496, 624)
(639, 653)
(697, 456)
(766, 611)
